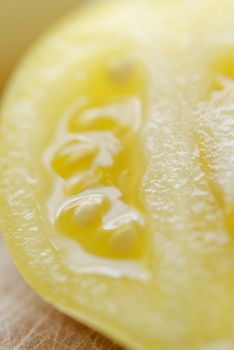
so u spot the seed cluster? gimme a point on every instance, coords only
(99, 164)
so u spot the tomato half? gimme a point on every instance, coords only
(117, 174)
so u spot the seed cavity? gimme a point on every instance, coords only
(126, 234)
(100, 162)
(97, 118)
(117, 116)
(124, 239)
(91, 209)
(223, 63)
(75, 154)
(83, 214)
(82, 182)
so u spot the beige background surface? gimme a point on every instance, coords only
(21, 21)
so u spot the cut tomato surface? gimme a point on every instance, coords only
(117, 171)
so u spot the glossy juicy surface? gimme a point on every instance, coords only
(117, 171)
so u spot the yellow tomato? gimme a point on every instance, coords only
(117, 171)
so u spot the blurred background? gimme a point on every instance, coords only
(21, 21)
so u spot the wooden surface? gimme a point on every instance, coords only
(28, 323)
